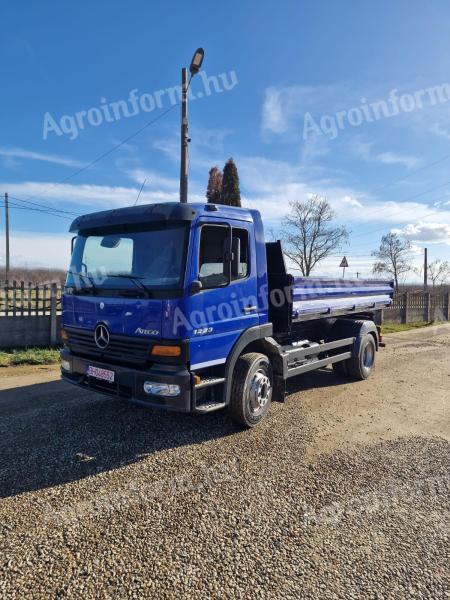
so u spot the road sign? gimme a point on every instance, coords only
(344, 263)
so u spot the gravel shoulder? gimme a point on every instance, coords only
(343, 492)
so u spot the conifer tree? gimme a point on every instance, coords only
(230, 194)
(213, 191)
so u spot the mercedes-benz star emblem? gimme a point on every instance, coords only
(101, 336)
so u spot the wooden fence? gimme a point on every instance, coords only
(29, 314)
(410, 307)
(25, 299)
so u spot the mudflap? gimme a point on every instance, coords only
(279, 388)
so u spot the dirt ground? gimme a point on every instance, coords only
(251, 517)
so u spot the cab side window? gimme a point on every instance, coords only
(240, 267)
(214, 241)
(223, 260)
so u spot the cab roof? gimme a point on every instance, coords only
(153, 213)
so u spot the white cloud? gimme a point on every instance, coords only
(352, 201)
(30, 155)
(283, 105)
(390, 158)
(95, 196)
(274, 114)
(153, 179)
(38, 250)
(431, 233)
(267, 185)
(270, 186)
(364, 150)
(440, 131)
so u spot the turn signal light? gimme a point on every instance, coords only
(166, 350)
(64, 335)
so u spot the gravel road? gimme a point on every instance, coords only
(343, 492)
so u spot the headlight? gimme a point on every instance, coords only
(65, 365)
(161, 389)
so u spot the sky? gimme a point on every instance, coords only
(346, 100)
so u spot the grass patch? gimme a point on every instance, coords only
(29, 356)
(396, 327)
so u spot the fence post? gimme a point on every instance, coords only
(22, 298)
(53, 317)
(405, 309)
(428, 307)
(448, 307)
(14, 298)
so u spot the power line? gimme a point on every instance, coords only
(15, 206)
(108, 152)
(413, 172)
(46, 206)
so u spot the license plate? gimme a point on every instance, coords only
(103, 374)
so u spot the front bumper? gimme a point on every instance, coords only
(129, 382)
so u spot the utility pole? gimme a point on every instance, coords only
(7, 237)
(184, 138)
(194, 68)
(425, 269)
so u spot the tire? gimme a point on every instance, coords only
(251, 389)
(340, 368)
(360, 367)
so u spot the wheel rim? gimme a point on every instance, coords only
(368, 356)
(260, 392)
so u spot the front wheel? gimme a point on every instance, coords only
(251, 390)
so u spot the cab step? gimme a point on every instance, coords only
(208, 381)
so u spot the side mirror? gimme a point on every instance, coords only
(110, 241)
(196, 287)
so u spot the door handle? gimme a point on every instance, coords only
(249, 309)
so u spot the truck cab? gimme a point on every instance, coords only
(184, 307)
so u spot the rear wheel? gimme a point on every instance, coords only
(361, 366)
(251, 391)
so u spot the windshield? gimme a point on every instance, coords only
(138, 259)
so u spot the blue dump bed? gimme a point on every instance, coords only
(318, 297)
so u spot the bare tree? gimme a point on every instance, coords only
(310, 234)
(393, 257)
(438, 272)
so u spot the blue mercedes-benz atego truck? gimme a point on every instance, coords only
(185, 307)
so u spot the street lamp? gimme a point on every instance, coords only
(196, 61)
(194, 68)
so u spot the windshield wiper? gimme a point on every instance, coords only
(134, 279)
(93, 287)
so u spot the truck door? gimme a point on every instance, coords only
(227, 303)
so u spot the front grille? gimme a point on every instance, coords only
(121, 348)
